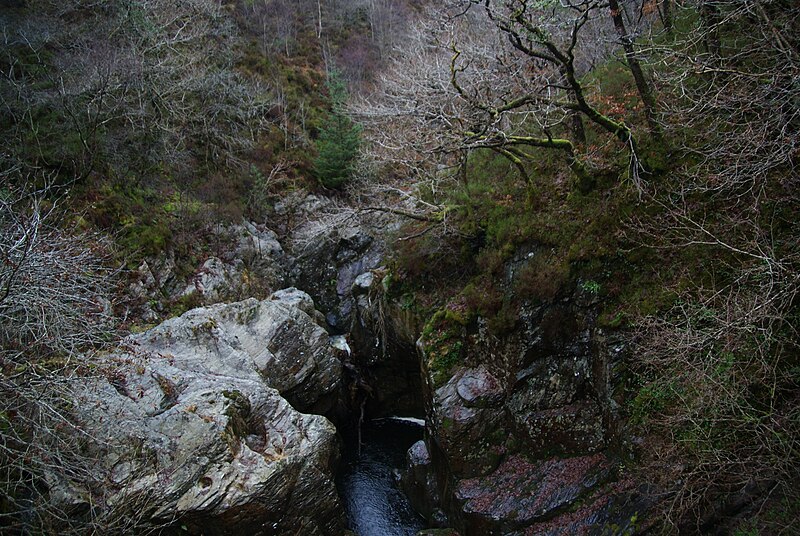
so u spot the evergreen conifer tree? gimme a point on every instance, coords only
(339, 139)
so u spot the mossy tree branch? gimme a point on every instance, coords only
(530, 38)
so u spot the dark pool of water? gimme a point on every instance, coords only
(375, 506)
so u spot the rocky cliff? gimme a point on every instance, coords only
(521, 430)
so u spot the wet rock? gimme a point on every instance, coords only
(553, 381)
(553, 405)
(479, 388)
(520, 431)
(613, 509)
(331, 266)
(471, 436)
(382, 337)
(363, 283)
(521, 492)
(567, 430)
(418, 481)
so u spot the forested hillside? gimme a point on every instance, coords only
(561, 181)
(644, 153)
(148, 109)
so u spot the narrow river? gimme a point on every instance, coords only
(367, 483)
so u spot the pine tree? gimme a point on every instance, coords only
(339, 140)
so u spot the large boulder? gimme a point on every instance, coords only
(273, 341)
(194, 419)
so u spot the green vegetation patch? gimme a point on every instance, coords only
(443, 339)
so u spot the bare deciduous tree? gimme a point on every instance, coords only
(501, 76)
(51, 284)
(720, 390)
(139, 86)
(54, 310)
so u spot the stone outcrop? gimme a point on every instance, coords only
(469, 430)
(330, 254)
(252, 262)
(198, 421)
(520, 427)
(247, 262)
(273, 341)
(521, 492)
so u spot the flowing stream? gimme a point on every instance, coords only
(367, 482)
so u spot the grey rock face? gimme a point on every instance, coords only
(339, 260)
(479, 388)
(419, 481)
(274, 341)
(550, 407)
(251, 263)
(466, 432)
(212, 280)
(193, 421)
(331, 256)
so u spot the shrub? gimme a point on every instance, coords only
(542, 277)
(53, 312)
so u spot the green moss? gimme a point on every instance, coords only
(185, 303)
(652, 399)
(611, 319)
(443, 339)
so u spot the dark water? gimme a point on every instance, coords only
(375, 506)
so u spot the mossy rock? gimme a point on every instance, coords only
(443, 342)
(238, 411)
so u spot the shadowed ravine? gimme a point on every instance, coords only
(367, 483)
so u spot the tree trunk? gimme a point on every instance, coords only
(319, 15)
(709, 14)
(576, 120)
(667, 16)
(645, 92)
